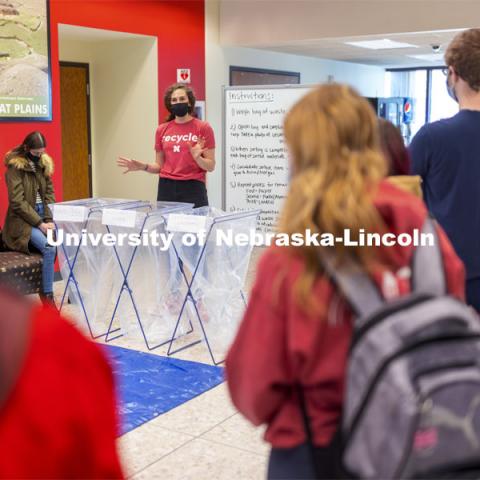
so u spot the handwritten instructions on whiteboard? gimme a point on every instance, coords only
(256, 157)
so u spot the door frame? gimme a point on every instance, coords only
(85, 66)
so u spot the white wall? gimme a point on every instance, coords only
(369, 81)
(124, 110)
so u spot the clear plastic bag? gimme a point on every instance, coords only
(218, 272)
(89, 272)
(151, 301)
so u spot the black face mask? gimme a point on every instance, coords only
(180, 109)
(32, 157)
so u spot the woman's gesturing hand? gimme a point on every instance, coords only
(197, 149)
(130, 164)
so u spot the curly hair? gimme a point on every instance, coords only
(463, 54)
(168, 97)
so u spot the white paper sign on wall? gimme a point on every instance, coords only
(183, 75)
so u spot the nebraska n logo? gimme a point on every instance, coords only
(176, 148)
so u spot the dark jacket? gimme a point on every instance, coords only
(23, 184)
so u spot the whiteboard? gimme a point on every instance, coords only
(255, 169)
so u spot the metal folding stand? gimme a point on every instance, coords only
(250, 219)
(93, 206)
(154, 214)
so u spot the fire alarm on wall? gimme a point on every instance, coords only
(183, 75)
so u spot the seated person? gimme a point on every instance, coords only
(30, 190)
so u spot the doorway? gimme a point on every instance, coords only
(124, 106)
(76, 135)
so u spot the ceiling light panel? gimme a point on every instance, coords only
(384, 44)
(429, 57)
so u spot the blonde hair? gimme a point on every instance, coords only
(336, 162)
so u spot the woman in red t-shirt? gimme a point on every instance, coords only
(297, 329)
(185, 151)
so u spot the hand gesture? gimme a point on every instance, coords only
(130, 164)
(197, 149)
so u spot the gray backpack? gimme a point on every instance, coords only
(412, 398)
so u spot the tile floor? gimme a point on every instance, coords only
(203, 438)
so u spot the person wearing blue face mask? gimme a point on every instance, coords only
(185, 151)
(450, 88)
(446, 154)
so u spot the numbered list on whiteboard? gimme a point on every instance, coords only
(257, 163)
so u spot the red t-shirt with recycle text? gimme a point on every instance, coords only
(173, 138)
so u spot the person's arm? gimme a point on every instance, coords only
(453, 266)
(419, 150)
(420, 153)
(49, 198)
(16, 198)
(132, 165)
(257, 371)
(159, 161)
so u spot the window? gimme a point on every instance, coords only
(426, 86)
(441, 105)
(411, 83)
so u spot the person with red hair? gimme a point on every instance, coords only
(398, 158)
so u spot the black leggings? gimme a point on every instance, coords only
(297, 463)
(189, 191)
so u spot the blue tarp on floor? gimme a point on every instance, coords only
(150, 385)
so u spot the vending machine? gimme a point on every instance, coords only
(398, 110)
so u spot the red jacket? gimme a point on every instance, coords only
(279, 346)
(59, 420)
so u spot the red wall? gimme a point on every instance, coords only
(179, 27)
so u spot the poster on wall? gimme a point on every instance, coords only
(25, 79)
